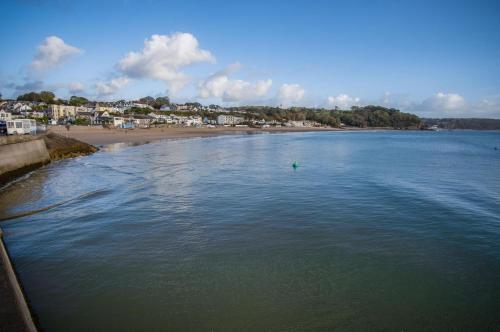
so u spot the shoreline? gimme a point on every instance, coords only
(99, 136)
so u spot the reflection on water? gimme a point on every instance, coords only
(80, 198)
(385, 231)
(115, 147)
(28, 190)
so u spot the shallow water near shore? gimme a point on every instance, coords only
(373, 231)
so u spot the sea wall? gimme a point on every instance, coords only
(22, 154)
(15, 314)
(19, 157)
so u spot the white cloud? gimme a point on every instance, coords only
(445, 102)
(290, 94)
(221, 86)
(441, 105)
(76, 87)
(115, 84)
(51, 53)
(343, 101)
(163, 58)
(486, 108)
(399, 101)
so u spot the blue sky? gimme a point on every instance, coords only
(434, 58)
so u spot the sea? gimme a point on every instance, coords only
(371, 231)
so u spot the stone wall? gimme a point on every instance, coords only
(18, 158)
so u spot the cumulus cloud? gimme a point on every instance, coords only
(221, 86)
(52, 52)
(76, 87)
(110, 87)
(399, 101)
(163, 58)
(447, 102)
(343, 101)
(441, 105)
(486, 108)
(290, 94)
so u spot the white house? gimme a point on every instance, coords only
(36, 114)
(4, 116)
(193, 121)
(229, 120)
(19, 107)
(141, 105)
(123, 122)
(142, 121)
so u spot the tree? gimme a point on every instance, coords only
(30, 96)
(47, 97)
(77, 101)
(44, 96)
(161, 101)
(148, 100)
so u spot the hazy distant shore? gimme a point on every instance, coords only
(101, 136)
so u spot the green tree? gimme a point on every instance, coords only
(77, 101)
(160, 101)
(148, 100)
(47, 97)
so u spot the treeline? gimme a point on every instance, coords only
(363, 117)
(464, 123)
(43, 96)
(49, 97)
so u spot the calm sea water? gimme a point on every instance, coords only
(389, 231)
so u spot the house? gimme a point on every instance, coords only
(102, 118)
(183, 107)
(122, 122)
(141, 121)
(229, 120)
(294, 124)
(62, 111)
(85, 115)
(142, 105)
(109, 109)
(20, 107)
(160, 117)
(36, 114)
(194, 121)
(165, 108)
(4, 116)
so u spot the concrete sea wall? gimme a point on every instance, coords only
(21, 154)
(15, 314)
(19, 157)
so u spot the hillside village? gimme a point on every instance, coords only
(142, 113)
(35, 109)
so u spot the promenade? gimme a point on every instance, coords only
(14, 312)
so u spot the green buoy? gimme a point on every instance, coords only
(295, 165)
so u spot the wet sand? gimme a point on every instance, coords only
(96, 135)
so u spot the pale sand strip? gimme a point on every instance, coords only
(101, 136)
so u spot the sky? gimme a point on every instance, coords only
(432, 58)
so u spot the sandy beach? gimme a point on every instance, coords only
(101, 136)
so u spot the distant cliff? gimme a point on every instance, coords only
(464, 123)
